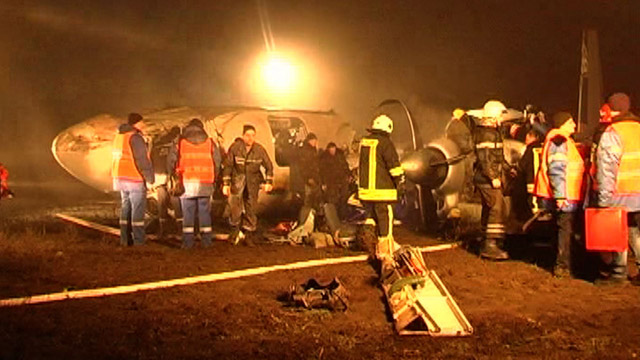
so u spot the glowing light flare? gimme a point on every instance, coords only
(278, 73)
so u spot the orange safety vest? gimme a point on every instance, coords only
(196, 162)
(123, 165)
(575, 170)
(628, 178)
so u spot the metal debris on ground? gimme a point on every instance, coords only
(312, 294)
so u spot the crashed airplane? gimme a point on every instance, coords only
(85, 149)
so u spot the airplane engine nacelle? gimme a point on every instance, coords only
(438, 166)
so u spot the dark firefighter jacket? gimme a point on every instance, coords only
(529, 164)
(241, 168)
(308, 164)
(490, 162)
(379, 168)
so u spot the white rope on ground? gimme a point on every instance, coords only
(89, 224)
(126, 289)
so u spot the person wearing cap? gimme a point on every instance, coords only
(618, 179)
(489, 174)
(131, 170)
(197, 161)
(560, 185)
(242, 181)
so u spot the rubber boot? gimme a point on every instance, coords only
(491, 251)
(162, 228)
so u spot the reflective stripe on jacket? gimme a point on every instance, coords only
(628, 175)
(379, 168)
(123, 165)
(562, 169)
(196, 162)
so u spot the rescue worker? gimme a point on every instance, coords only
(5, 191)
(592, 183)
(381, 182)
(242, 180)
(618, 177)
(198, 161)
(131, 169)
(459, 130)
(309, 167)
(334, 177)
(560, 186)
(489, 176)
(524, 200)
(162, 147)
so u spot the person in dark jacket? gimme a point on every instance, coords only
(334, 177)
(381, 183)
(488, 179)
(131, 169)
(197, 160)
(309, 167)
(242, 180)
(523, 201)
(162, 146)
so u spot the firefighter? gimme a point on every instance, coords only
(381, 182)
(489, 176)
(197, 161)
(560, 186)
(242, 180)
(618, 178)
(592, 183)
(131, 171)
(459, 130)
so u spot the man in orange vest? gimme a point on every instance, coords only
(198, 162)
(618, 179)
(131, 169)
(560, 185)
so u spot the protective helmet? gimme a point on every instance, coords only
(493, 109)
(384, 123)
(458, 113)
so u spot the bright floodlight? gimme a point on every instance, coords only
(278, 74)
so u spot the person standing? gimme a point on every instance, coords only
(560, 184)
(162, 147)
(488, 179)
(131, 170)
(242, 180)
(618, 178)
(381, 182)
(196, 160)
(334, 177)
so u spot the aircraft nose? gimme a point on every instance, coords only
(84, 150)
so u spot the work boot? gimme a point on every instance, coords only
(236, 236)
(561, 272)
(635, 280)
(611, 280)
(162, 228)
(491, 251)
(248, 238)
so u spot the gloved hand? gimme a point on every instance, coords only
(401, 189)
(267, 187)
(496, 183)
(226, 190)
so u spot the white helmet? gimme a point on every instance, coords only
(493, 109)
(384, 123)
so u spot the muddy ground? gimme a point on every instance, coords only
(518, 310)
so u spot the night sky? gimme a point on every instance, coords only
(62, 62)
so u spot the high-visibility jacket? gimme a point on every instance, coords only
(196, 163)
(379, 168)
(628, 176)
(123, 165)
(574, 175)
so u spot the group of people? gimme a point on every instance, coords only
(198, 163)
(195, 166)
(562, 177)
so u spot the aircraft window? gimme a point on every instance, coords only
(288, 134)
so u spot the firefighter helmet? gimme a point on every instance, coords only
(384, 123)
(493, 109)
